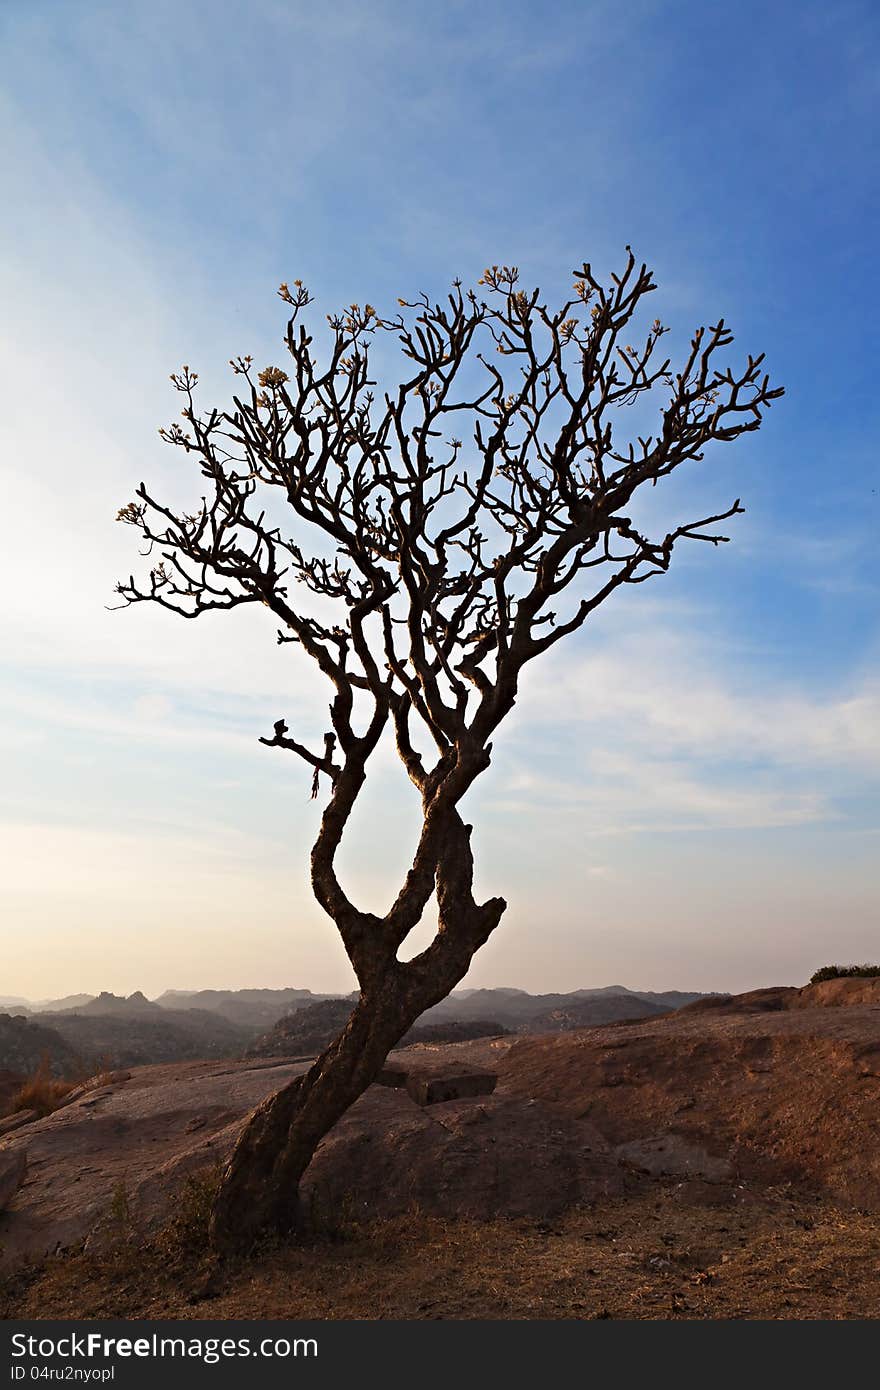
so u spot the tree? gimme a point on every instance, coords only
(432, 572)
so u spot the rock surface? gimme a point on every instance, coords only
(714, 1097)
(485, 1157)
(139, 1139)
(449, 1085)
(16, 1120)
(125, 1139)
(13, 1166)
(430, 1084)
(790, 1093)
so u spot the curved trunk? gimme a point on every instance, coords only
(259, 1188)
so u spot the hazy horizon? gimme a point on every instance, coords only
(9, 1000)
(687, 794)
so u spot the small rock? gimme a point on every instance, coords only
(13, 1165)
(673, 1155)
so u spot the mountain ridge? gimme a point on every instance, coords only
(129, 1030)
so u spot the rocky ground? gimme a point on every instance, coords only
(718, 1162)
(662, 1251)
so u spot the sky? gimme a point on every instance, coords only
(687, 793)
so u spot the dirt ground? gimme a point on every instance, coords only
(665, 1251)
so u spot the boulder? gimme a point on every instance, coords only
(478, 1159)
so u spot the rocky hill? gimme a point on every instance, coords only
(304, 1033)
(308, 1031)
(591, 1013)
(116, 1004)
(69, 1001)
(136, 1036)
(771, 1086)
(453, 1031)
(256, 1009)
(85, 1031)
(520, 1011)
(24, 1046)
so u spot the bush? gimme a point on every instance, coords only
(843, 972)
(42, 1091)
(187, 1232)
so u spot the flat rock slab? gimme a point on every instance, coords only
(431, 1090)
(133, 1137)
(429, 1084)
(16, 1120)
(478, 1156)
(94, 1083)
(395, 1077)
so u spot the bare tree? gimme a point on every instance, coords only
(433, 571)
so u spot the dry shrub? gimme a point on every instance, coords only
(844, 972)
(42, 1091)
(187, 1232)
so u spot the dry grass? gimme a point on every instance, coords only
(649, 1255)
(41, 1091)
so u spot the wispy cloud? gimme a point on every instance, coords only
(663, 726)
(671, 690)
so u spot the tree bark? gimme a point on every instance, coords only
(259, 1189)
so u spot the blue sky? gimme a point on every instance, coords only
(688, 795)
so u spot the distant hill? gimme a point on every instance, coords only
(70, 1001)
(304, 1033)
(592, 1013)
(308, 1031)
(256, 1009)
(105, 1003)
(25, 1045)
(672, 998)
(452, 1031)
(184, 1025)
(520, 1011)
(498, 989)
(476, 1014)
(135, 1036)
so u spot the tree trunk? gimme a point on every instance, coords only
(259, 1189)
